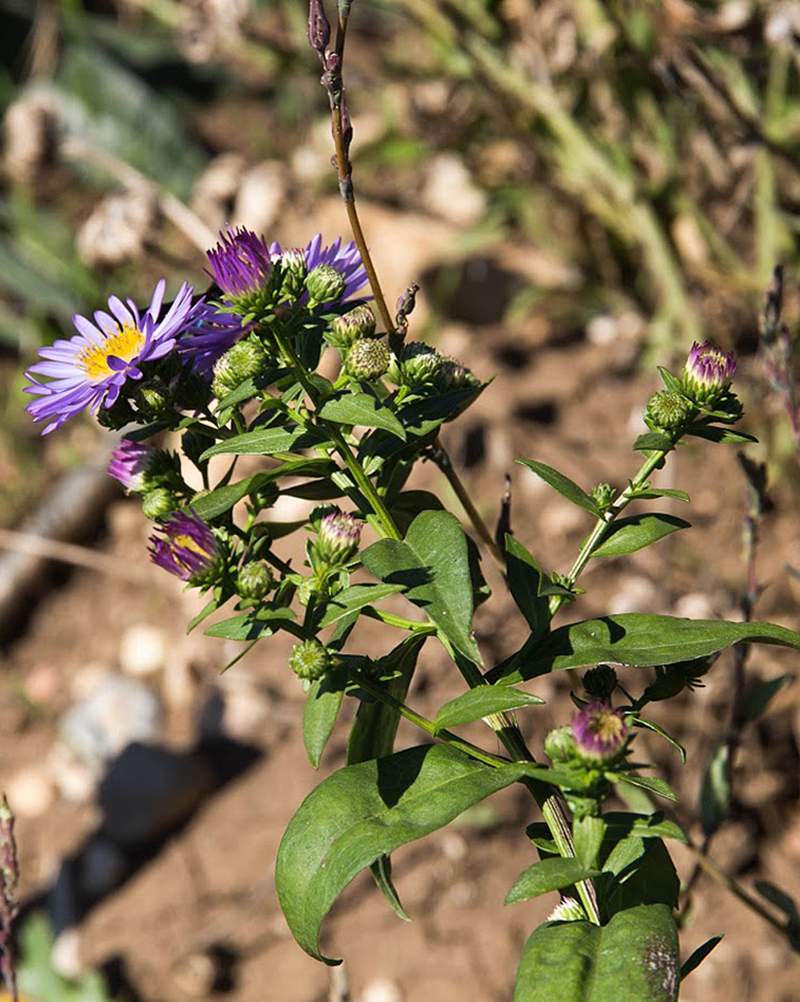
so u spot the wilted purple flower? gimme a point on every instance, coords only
(89, 369)
(599, 730)
(338, 538)
(129, 464)
(345, 259)
(708, 372)
(241, 265)
(189, 549)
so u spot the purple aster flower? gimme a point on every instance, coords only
(209, 337)
(129, 464)
(89, 369)
(708, 372)
(241, 265)
(599, 731)
(345, 259)
(189, 549)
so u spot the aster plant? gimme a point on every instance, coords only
(235, 373)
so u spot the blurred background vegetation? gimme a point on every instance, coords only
(640, 159)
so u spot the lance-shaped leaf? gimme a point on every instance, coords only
(652, 441)
(217, 502)
(354, 598)
(561, 483)
(265, 442)
(525, 581)
(366, 811)
(637, 531)
(716, 434)
(548, 875)
(632, 959)
(251, 626)
(363, 410)
(432, 563)
(321, 710)
(480, 702)
(633, 639)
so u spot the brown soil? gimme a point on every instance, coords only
(205, 904)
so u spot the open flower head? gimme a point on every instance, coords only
(599, 731)
(188, 549)
(90, 369)
(242, 266)
(708, 373)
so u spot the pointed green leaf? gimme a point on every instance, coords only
(548, 875)
(699, 955)
(652, 784)
(639, 871)
(669, 381)
(381, 871)
(362, 410)
(663, 492)
(355, 597)
(365, 811)
(321, 710)
(632, 959)
(715, 790)
(633, 639)
(217, 502)
(249, 388)
(265, 442)
(480, 702)
(652, 441)
(251, 626)
(588, 834)
(561, 483)
(650, 726)
(525, 584)
(620, 824)
(637, 531)
(433, 566)
(715, 434)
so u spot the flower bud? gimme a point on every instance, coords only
(153, 398)
(559, 745)
(419, 363)
(367, 359)
(294, 270)
(668, 411)
(600, 682)
(338, 538)
(599, 731)
(708, 373)
(130, 462)
(254, 580)
(455, 376)
(189, 549)
(358, 323)
(309, 660)
(241, 265)
(244, 360)
(158, 503)
(325, 284)
(603, 494)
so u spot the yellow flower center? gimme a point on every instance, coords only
(126, 344)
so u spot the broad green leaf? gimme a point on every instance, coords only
(321, 710)
(215, 503)
(408, 504)
(715, 434)
(637, 531)
(363, 410)
(561, 483)
(652, 784)
(251, 626)
(366, 811)
(633, 639)
(758, 697)
(699, 955)
(433, 565)
(355, 597)
(620, 824)
(548, 875)
(638, 871)
(525, 584)
(264, 442)
(715, 790)
(480, 702)
(632, 959)
(588, 834)
(652, 441)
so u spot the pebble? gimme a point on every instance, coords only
(381, 990)
(74, 779)
(66, 954)
(31, 792)
(143, 650)
(118, 712)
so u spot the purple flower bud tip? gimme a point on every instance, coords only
(599, 730)
(129, 463)
(189, 549)
(709, 367)
(339, 536)
(241, 263)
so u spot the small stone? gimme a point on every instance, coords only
(66, 954)
(30, 792)
(74, 780)
(143, 650)
(381, 990)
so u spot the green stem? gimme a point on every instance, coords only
(605, 521)
(398, 621)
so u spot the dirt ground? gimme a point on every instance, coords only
(199, 917)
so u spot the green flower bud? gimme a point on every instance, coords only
(367, 359)
(325, 284)
(309, 660)
(559, 745)
(455, 376)
(567, 910)
(242, 361)
(338, 538)
(158, 503)
(254, 580)
(603, 494)
(419, 363)
(600, 682)
(668, 411)
(294, 270)
(153, 398)
(351, 327)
